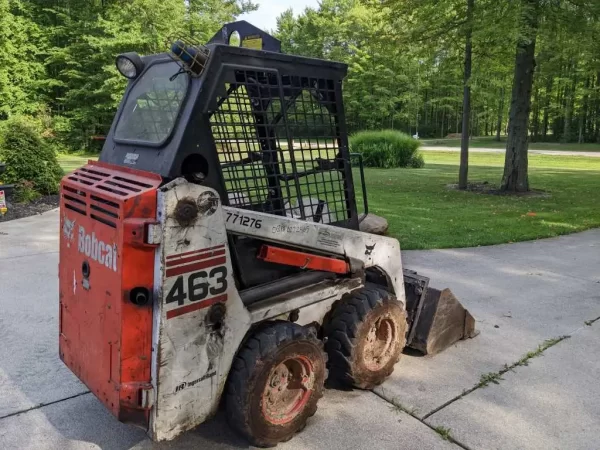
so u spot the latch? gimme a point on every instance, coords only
(142, 232)
(137, 395)
(153, 234)
(146, 397)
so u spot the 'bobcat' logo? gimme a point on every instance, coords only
(101, 252)
(68, 230)
(369, 249)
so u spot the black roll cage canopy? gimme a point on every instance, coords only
(257, 125)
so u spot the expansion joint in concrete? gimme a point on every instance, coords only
(41, 405)
(446, 434)
(496, 377)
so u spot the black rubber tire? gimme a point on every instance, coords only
(249, 375)
(347, 331)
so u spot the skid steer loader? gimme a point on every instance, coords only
(212, 255)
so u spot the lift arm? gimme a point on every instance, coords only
(355, 247)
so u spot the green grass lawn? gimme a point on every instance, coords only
(423, 213)
(490, 142)
(71, 162)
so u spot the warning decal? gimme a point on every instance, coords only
(3, 208)
(330, 239)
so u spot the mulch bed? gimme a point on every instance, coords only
(490, 189)
(21, 210)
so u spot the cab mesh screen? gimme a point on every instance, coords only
(279, 146)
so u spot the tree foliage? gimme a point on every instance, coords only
(19, 66)
(59, 55)
(405, 59)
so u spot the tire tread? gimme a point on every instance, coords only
(264, 343)
(342, 329)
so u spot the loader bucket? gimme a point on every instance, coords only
(438, 318)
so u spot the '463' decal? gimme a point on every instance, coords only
(195, 280)
(199, 286)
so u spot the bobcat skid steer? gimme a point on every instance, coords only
(212, 255)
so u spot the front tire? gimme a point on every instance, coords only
(365, 338)
(275, 383)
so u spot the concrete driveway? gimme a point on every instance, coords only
(522, 295)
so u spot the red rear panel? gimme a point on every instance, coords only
(105, 338)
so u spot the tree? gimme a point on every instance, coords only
(407, 62)
(82, 38)
(463, 174)
(19, 70)
(569, 32)
(500, 114)
(515, 176)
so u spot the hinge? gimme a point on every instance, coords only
(154, 234)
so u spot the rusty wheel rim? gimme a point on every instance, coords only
(288, 389)
(379, 346)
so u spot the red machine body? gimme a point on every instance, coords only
(106, 275)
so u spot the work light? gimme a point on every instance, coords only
(130, 65)
(194, 57)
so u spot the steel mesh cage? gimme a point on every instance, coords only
(189, 54)
(280, 147)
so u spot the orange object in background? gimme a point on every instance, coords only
(106, 276)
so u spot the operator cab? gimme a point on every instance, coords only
(152, 106)
(264, 129)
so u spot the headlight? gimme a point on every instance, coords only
(130, 65)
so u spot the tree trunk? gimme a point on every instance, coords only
(536, 115)
(597, 109)
(547, 107)
(443, 120)
(588, 128)
(557, 122)
(584, 112)
(463, 173)
(568, 108)
(573, 97)
(457, 119)
(515, 178)
(500, 115)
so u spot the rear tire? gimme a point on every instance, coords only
(275, 383)
(365, 338)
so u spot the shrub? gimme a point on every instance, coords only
(25, 192)
(417, 161)
(386, 149)
(29, 157)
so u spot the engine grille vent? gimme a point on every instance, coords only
(99, 191)
(75, 200)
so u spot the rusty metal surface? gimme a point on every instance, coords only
(105, 337)
(442, 322)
